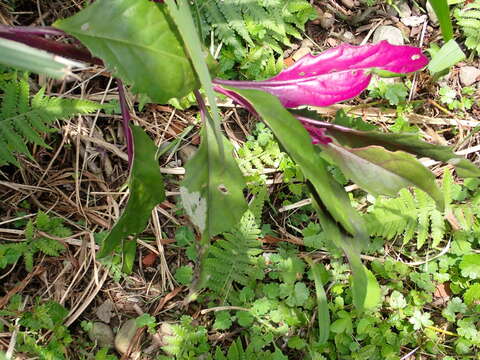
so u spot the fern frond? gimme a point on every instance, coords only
(234, 258)
(256, 30)
(235, 19)
(257, 204)
(468, 18)
(408, 215)
(22, 119)
(48, 246)
(217, 20)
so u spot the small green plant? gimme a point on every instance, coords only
(450, 97)
(40, 237)
(396, 93)
(44, 317)
(185, 341)
(235, 257)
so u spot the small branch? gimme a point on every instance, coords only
(126, 122)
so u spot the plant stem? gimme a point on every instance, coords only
(125, 122)
(32, 30)
(32, 37)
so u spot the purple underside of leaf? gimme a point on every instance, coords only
(317, 133)
(336, 74)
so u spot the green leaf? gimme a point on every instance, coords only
(406, 142)
(24, 57)
(181, 14)
(472, 295)
(138, 42)
(470, 266)
(244, 318)
(223, 320)
(360, 279)
(443, 13)
(212, 191)
(365, 297)
(454, 306)
(129, 251)
(397, 300)
(146, 191)
(322, 303)
(419, 320)
(298, 144)
(382, 172)
(448, 55)
(184, 275)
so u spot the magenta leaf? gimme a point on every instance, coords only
(336, 74)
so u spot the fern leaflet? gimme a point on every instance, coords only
(22, 119)
(469, 20)
(234, 258)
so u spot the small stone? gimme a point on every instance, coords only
(403, 9)
(102, 334)
(389, 33)
(413, 21)
(348, 3)
(307, 43)
(300, 53)
(431, 14)
(348, 37)
(469, 75)
(105, 311)
(327, 20)
(187, 152)
(125, 336)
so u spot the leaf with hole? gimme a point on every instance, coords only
(212, 191)
(138, 42)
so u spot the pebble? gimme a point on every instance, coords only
(300, 53)
(105, 311)
(186, 152)
(125, 335)
(348, 37)
(403, 9)
(469, 75)
(390, 33)
(102, 334)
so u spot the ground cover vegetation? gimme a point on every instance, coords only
(181, 182)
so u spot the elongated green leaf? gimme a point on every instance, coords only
(448, 55)
(322, 303)
(129, 250)
(138, 42)
(212, 191)
(349, 246)
(24, 57)
(443, 13)
(183, 18)
(382, 172)
(298, 144)
(406, 142)
(371, 293)
(146, 191)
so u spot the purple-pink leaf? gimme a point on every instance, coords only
(336, 74)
